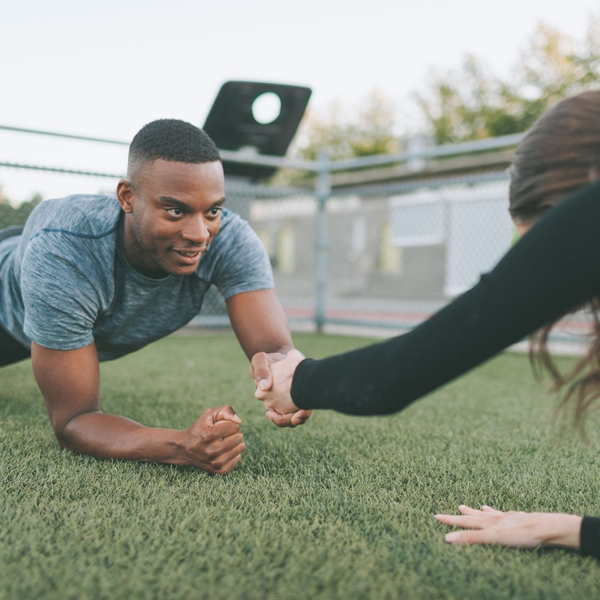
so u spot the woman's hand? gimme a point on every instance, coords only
(278, 398)
(514, 529)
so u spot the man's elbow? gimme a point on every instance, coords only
(62, 435)
(67, 430)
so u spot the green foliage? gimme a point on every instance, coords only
(339, 508)
(344, 134)
(465, 104)
(10, 215)
(369, 131)
(472, 103)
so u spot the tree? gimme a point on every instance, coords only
(16, 216)
(469, 103)
(346, 134)
(472, 103)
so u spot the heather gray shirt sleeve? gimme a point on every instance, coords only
(59, 284)
(243, 264)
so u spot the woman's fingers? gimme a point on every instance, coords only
(471, 518)
(488, 509)
(482, 536)
(467, 510)
(468, 522)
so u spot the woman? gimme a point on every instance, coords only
(552, 271)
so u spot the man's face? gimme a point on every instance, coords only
(173, 212)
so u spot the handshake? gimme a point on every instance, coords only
(273, 375)
(215, 443)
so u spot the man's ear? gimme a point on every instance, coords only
(125, 195)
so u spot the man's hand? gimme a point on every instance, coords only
(514, 529)
(261, 327)
(214, 442)
(277, 396)
(260, 368)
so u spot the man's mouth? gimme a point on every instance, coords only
(189, 256)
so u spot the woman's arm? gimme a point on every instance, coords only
(552, 270)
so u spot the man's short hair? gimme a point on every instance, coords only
(174, 140)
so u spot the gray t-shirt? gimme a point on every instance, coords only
(65, 282)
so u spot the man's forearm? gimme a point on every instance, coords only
(70, 383)
(112, 436)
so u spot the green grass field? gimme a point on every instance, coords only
(339, 508)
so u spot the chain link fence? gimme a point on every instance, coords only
(382, 257)
(394, 253)
(399, 252)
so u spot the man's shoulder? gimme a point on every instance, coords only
(79, 230)
(236, 260)
(71, 239)
(90, 216)
(235, 239)
(231, 225)
(82, 216)
(235, 236)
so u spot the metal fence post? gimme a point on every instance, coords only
(322, 190)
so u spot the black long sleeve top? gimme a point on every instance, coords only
(551, 271)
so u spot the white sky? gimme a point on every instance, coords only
(107, 68)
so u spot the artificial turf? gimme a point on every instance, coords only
(339, 508)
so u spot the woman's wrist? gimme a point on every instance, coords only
(564, 531)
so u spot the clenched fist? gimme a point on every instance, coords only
(214, 442)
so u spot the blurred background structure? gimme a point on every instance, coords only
(379, 212)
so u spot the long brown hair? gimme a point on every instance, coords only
(559, 155)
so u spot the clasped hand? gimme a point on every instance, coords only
(214, 442)
(273, 374)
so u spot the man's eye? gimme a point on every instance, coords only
(214, 211)
(174, 212)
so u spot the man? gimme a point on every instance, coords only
(93, 278)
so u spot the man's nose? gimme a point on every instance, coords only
(197, 231)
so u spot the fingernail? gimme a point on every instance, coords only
(236, 419)
(263, 384)
(453, 537)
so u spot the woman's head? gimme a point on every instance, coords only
(557, 156)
